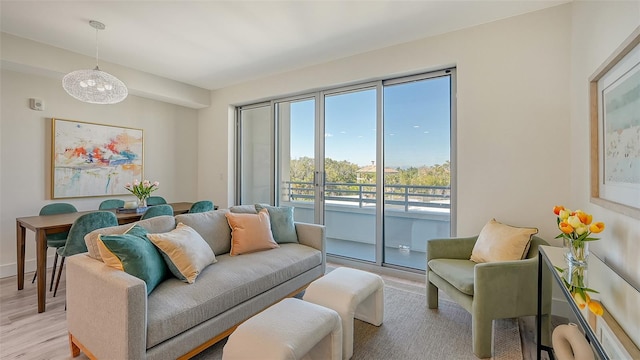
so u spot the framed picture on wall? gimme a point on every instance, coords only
(615, 130)
(90, 159)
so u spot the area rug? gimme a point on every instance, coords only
(411, 331)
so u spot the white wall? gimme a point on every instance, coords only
(513, 113)
(598, 28)
(170, 150)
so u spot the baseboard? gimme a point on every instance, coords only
(560, 307)
(8, 270)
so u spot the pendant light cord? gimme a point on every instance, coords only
(97, 68)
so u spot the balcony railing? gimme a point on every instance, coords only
(401, 196)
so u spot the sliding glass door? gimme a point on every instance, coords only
(349, 193)
(417, 158)
(371, 162)
(255, 163)
(297, 160)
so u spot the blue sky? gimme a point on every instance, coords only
(416, 125)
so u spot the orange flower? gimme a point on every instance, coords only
(584, 217)
(596, 227)
(565, 227)
(581, 299)
(596, 307)
(557, 209)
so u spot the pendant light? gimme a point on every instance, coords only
(95, 86)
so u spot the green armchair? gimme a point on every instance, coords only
(494, 290)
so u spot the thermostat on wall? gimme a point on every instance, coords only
(36, 104)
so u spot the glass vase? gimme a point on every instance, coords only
(142, 203)
(576, 276)
(576, 252)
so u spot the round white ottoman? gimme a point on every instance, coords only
(291, 329)
(352, 293)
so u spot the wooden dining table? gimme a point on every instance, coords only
(51, 224)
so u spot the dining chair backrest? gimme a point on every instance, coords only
(84, 225)
(58, 208)
(156, 200)
(201, 206)
(157, 210)
(111, 204)
(57, 239)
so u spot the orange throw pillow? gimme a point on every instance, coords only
(250, 232)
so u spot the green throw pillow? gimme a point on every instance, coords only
(134, 254)
(282, 226)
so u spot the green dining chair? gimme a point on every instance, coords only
(157, 210)
(82, 226)
(155, 200)
(111, 204)
(55, 240)
(201, 206)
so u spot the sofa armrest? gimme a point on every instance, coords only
(106, 309)
(450, 248)
(313, 235)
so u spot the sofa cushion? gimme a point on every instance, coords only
(500, 242)
(243, 209)
(282, 224)
(153, 225)
(175, 307)
(250, 232)
(212, 226)
(457, 272)
(134, 254)
(185, 252)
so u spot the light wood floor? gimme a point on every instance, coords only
(25, 334)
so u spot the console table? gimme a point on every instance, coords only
(607, 338)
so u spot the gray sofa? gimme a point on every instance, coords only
(110, 316)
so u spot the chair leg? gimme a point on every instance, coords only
(53, 272)
(481, 332)
(432, 295)
(59, 274)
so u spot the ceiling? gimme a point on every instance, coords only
(213, 44)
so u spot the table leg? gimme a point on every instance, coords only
(539, 315)
(41, 259)
(20, 246)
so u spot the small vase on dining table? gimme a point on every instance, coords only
(142, 203)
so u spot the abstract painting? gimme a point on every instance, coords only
(90, 159)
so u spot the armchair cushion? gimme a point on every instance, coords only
(456, 272)
(500, 242)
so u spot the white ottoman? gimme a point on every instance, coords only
(352, 293)
(291, 329)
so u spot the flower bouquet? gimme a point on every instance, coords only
(575, 227)
(142, 190)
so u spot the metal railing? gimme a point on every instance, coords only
(406, 196)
